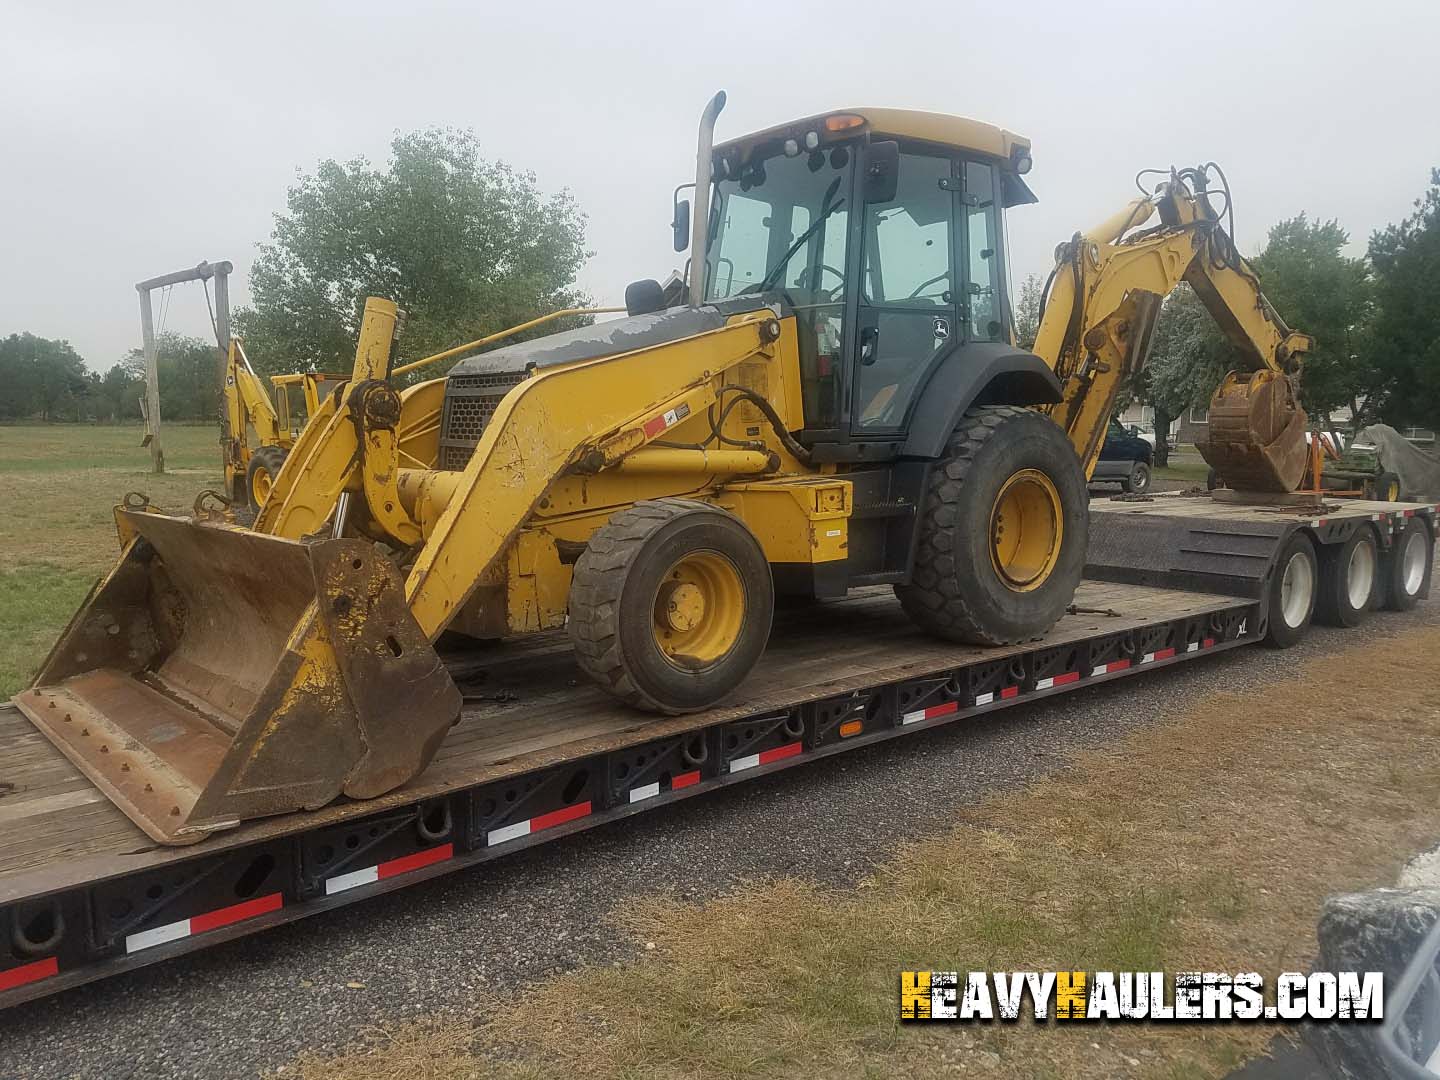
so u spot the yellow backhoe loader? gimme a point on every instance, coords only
(263, 430)
(838, 403)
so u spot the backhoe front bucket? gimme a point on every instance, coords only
(218, 674)
(1255, 437)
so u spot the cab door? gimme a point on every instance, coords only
(909, 297)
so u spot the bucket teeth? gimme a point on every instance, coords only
(217, 675)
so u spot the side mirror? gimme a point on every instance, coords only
(1134, 431)
(882, 171)
(680, 224)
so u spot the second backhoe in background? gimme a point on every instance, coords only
(838, 404)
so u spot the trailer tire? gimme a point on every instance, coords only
(1293, 588)
(1349, 579)
(971, 581)
(1407, 571)
(260, 474)
(671, 604)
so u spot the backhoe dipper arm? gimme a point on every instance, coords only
(1102, 304)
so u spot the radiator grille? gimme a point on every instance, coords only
(470, 402)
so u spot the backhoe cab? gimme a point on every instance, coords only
(838, 404)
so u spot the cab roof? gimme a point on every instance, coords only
(955, 131)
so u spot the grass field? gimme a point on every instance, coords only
(58, 483)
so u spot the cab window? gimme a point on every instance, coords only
(907, 311)
(982, 254)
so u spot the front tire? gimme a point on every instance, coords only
(1384, 487)
(670, 605)
(1002, 531)
(260, 474)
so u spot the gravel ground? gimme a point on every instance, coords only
(252, 1005)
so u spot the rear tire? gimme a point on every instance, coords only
(1138, 482)
(670, 605)
(974, 582)
(1407, 571)
(1293, 589)
(260, 474)
(1349, 580)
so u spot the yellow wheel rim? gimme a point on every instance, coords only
(1392, 491)
(1026, 527)
(260, 486)
(699, 610)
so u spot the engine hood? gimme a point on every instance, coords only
(594, 341)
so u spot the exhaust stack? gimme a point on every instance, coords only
(700, 220)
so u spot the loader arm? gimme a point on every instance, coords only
(1099, 316)
(590, 415)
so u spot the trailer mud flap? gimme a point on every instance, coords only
(218, 674)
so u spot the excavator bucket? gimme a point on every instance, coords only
(218, 674)
(1256, 432)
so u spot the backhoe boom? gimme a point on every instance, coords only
(1104, 298)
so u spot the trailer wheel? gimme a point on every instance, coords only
(1407, 574)
(1002, 531)
(1292, 592)
(671, 604)
(260, 474)
(1349, 579)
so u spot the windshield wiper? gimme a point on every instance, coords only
(769, 280)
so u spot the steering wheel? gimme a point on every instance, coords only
(926, 284)
(815, 273)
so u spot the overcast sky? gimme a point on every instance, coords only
(136, 139)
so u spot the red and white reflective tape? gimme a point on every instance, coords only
(678, 781)
(656, 424)
(765, 757)
(1057, 680)
(1003, 695)
(388, 869)
(931, 713)
(1113, 665)
(1196, 646)
(28, 973)
(198, 924)
(535, 824)
(1158, 654)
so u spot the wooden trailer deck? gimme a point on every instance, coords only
(527, 707)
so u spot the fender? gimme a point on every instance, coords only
(976, 373)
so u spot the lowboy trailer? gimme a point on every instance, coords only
(540, 753)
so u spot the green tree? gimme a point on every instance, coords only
(1405, 339)
(120, 391)
(42, 379)
(188, 372)
(1318, 289)
(465, 246)
(1027, 312)
(1188, 358)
